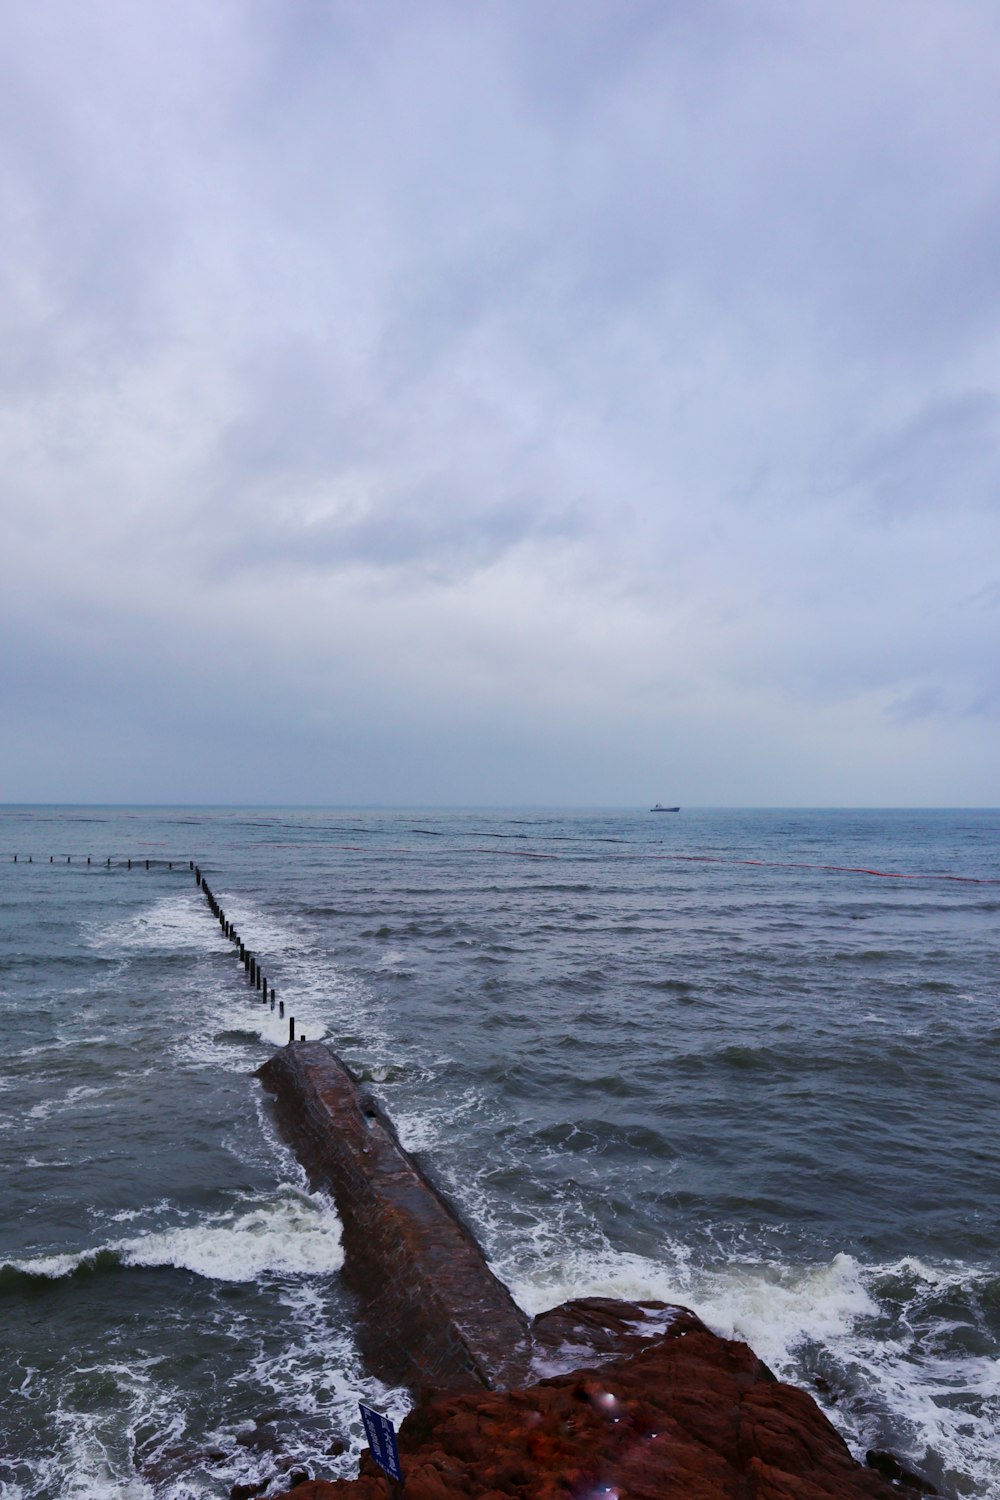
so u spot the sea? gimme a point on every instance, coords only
(743, 1060)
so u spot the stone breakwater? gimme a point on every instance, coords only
(431, 1314)
(592, 1399)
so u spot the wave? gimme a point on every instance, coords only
(47, 1107)
(19, 1275)
(291, 1233)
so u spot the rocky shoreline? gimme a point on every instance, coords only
(685, 1415)
(592, 1399)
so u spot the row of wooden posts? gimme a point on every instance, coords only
(249, 960)
(107, 864)
(256, 979)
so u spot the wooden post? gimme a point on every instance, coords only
(291, 1028)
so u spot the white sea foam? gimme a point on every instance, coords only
(288, 1233)
(260, 928)
(776, 1308)
(305, 1364)
(417, 1130)
(54, 1267)
(239, 1020)
(293, 1234)
(237, 1015)
(79, 1464)
(81, 1471)
(173, 922)
(317, 1370)
(129, 1215)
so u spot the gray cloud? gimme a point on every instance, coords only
(945, 457)
(618, 389)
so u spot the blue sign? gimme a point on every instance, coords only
(382, 1441)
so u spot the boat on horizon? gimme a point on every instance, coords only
(659, 807)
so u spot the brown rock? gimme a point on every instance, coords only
(681, 1415)
(432, 1314)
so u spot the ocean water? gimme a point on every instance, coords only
(743, 1060)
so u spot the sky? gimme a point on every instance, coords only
(583, 403)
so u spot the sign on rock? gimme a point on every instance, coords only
(382, 1441)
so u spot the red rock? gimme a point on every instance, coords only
(684, 1415)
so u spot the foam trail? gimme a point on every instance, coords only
(172, 923)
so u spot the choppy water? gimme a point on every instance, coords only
(643, 1064)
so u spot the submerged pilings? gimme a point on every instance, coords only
(433, 1314)
(256, 978)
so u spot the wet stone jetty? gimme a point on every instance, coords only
(431, 1312)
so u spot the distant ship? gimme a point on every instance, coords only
(660, 808)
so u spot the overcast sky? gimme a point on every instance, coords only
(559, 402)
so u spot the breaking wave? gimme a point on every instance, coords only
(291, 1233)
